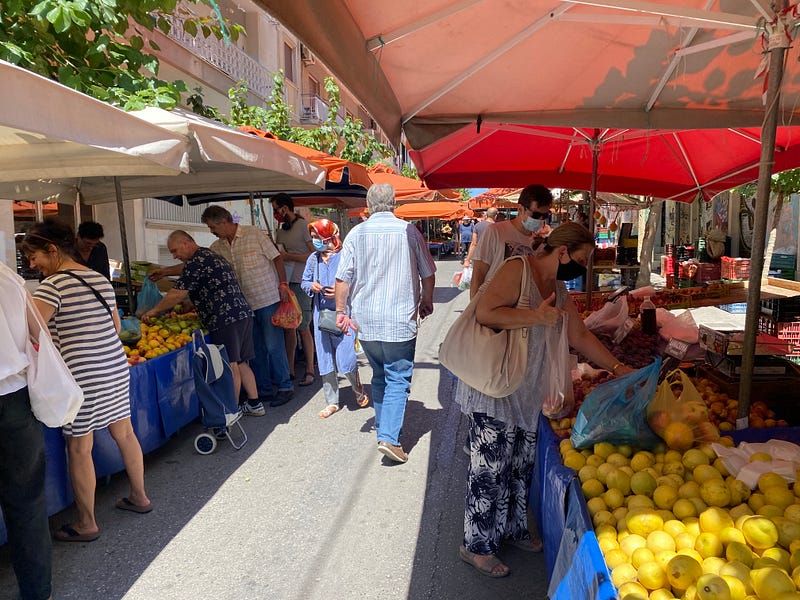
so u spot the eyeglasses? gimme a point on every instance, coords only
(539, 215)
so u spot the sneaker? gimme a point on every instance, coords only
(395, 453)
(253, 410)
(282, 397)
(221, 433)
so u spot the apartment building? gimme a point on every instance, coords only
(211, 66)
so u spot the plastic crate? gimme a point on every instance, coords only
(781, 309)
(789, 332)
(735, 268)
(783, 261)
(739, 308)
(708, 272)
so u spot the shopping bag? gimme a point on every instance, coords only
(557, 386)
(131, 330)
(609, 318)
(55, 396)
(466, 279)
(679, 414)
(288, 314)
(616, 411)
(148, 296)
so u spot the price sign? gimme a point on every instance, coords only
(677, 348)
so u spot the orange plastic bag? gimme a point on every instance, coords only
(288, 315)
(678, 413)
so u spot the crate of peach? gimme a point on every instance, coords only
(678, 414)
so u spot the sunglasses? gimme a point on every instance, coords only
(540, 215)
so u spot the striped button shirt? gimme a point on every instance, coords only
(252, 254)
(383, 260)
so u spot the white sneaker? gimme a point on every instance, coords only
(253, 410)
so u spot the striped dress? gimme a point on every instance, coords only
(84, 333)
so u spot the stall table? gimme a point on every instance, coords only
(163, 400)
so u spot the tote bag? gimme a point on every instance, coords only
(492, 362)
(55, 396)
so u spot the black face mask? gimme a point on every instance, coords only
(569, 271)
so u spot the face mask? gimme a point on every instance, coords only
(532, 225)
(319, 245)
(569, 271)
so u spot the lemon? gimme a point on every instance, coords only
(760, 457)
(714, 520)
(720, 466)
(731, 534)
(737, 589)
(613, 498)
(739, 491)
(715, 492)
(692, 553)
(642, 460)
(682, 571)
(644, 522)
(643, 483)
(713, 564)
(771, 511)
(604, 449)
(712, 587)
(780, 497)
(699, 505)
(620, 513)
(595, 505)
(623, 574)
(630, 543)
(690, 489)
(603, 517)
(760, 532)
(692, 526)
(739, 511)
(632, 590)
(662, 594)
(708, 544)
(738, 571)
(792, 513)
(780, 556)
(615, 558)
(603, 470)
(693, 458)
(665, 496)
(595, 461)
(607, 544)
(639, 501)
(652, 576)
(586, 473)
(756, 501)
(617, 459)
(664, 557)
(674, 468)
(641, 556)
(658, 541)
(674, 527)
(684, 508)
(737, 552)
(685, 540)
(771, 582)
(703, 473)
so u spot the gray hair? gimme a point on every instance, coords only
(179, 235)
(380, 198)
(491, 212)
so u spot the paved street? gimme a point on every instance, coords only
(307, 510)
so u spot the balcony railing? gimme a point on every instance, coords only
(228, 58)
(315, 110)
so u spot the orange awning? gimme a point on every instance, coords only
(493, 198)
(433, 210)
(407, 189)
(333, 165)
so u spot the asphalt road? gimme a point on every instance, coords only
(307, 510)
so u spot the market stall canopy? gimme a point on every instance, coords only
(220, 159)
(494, 198)
(407, 189)
(673, 165)
(434, 66)
(48, 130)
(433, 210)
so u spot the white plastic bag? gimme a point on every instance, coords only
(558, 399)
(55, 396)
(466, 278)
(681, 328)
(609, 318)
(785, 460)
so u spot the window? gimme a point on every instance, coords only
(288, 61)
(313, 87)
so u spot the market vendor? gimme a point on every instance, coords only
(210, 283)
(91, 251)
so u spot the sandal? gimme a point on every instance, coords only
(469, 558)
(69, 534)
(328, 411)
(362, 400)
(125, 504)
(529, 545)
(308, 379)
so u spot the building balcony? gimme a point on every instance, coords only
(227, 57)
(315, 110)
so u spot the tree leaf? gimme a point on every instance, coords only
(154, 46)
(136, 42)
(190, 27)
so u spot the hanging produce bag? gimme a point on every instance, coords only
(288, 314)
(609, 318)
(148, 297)
(678, 413)
(558, 399)
(616, 411)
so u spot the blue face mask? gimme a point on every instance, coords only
(319, 245)
(533, 225)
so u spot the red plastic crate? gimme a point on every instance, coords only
(735, 268)
(708, 272)
(789, 332)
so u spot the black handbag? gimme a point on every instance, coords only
(327, 317)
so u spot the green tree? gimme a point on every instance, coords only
(98, 46)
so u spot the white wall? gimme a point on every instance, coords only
(7, 249)
(106, 215)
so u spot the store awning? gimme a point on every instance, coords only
(433, 210)
(407, 189)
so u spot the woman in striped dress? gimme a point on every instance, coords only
(80, 307)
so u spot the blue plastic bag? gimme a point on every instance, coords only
(148, 297)
(616, 411)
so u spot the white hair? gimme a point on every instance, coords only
(380, 198)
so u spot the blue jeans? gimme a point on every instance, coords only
(22, 495)
(392, 366)
(270, 365)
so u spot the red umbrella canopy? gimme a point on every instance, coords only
(675, 165)
(407, 189)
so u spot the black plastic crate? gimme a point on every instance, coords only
(782, 309)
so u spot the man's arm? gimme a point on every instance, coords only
(173, 297)
(426, 300)
(479, 271)
(281, 270)
(165, 271)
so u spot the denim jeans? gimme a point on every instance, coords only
(392, 366)
(271, 367)
(22, 496)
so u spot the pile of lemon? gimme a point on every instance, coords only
(160, 340)
(678, 525)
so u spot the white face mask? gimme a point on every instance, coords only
(533, 225)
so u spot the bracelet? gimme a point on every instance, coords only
(615, 367)
(283, 284)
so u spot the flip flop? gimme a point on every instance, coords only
(328, 411)
(468, 558)
(530, 545)
(308, 379)
(362, 400)
(68, 534)
(125, 504)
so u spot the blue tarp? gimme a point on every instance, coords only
(162, 400)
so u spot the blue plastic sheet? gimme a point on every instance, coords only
(162, 393)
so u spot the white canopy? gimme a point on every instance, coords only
(221, 159)
(48, 130)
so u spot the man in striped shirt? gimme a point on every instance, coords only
(384, 285)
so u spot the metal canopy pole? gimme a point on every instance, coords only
(774, 78)
(595, 145)
(126, 263)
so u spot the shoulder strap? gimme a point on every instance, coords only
(97, 295)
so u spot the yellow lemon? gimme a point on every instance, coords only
(771, 582)
(712, 587)
(643, 483)
(586, 473)
(684, 540)
(780, 556)
(615, 558)
(715, 492)
(658, 541)
(664, 557)
(642, 460)
(630, 543)
(708, 544)
(737, 552)
(760, 532)
(652, 576)
(641, 556)
(780, 497)
(592, 489)
(760, 457)
(644, 522)
(613, 498)
(703, 473)
(665, 496)
(623, 574)
(632, 590)
(693, 458)
(604, 449)
(731, 534)
(682, 571)
(674, 527)
(713, 564)
(684, 508)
